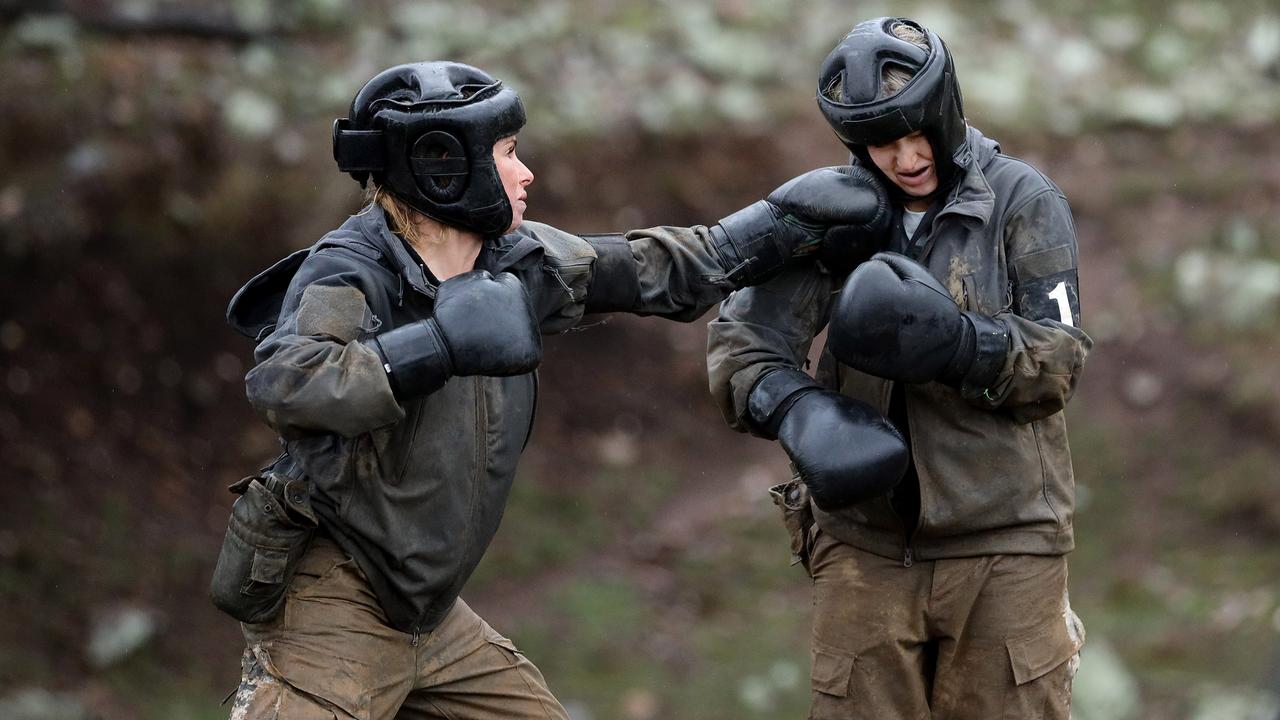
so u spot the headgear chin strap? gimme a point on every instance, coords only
(425, 132)
(864, 114)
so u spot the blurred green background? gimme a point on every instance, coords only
(156, 154)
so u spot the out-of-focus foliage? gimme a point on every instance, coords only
(597, 67)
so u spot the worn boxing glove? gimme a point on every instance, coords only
(895, 320)
(482, 325)
(844, 451)
(754, 242)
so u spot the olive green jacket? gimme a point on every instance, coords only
(415, 489)
(993, 463)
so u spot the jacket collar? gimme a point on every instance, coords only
(972, 196)
(372, 224)
(497, 255)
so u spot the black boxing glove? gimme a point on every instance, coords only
(482, 325)
(795, 219)
(844, 451)
(895, 320)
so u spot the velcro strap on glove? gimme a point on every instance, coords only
(745, 243)
(615, 282)
(991, 349)
(416, 358)
(773, 395)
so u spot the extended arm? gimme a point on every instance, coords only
(680, 272)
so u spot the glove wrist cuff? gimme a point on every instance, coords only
(773, 395)
(746, 244)
(415, 357)
(957, 369)
(615, 284)
(991, 348)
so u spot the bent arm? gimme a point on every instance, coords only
(1047, 348)
(764, 328)
(313, 373)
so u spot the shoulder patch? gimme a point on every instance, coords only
(1044, 262)
(336, 311)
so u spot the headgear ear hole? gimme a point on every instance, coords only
(440, 166)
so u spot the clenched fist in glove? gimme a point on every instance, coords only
(482, 325)
(798, 218)
(844, 451)
(895, 320)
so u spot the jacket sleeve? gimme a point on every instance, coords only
(671, 272)
(1047, 348)
(680, 276)
(761, 328)
(313, 375)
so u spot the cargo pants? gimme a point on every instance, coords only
(330, 654)
(978, 638)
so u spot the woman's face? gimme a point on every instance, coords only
(908, 162)
(515, 178)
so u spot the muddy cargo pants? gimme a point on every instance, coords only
(979, 638)
(331, 655)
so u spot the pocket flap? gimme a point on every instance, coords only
(1037, 652)
(269, 566)
(831, 671)
(240, 486)
(317, 676)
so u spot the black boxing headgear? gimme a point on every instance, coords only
(852, 96)
(425, 132)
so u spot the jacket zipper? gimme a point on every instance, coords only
(555, 271)
(908, 553)
(482, 442)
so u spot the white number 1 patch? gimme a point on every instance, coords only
(1059, 293)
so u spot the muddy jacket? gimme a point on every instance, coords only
(994, 468)
(415, 490)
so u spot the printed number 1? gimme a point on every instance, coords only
(1059, 293)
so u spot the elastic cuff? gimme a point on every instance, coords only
(415, 358)
(773, 395)
(991, 349)
(615, 284)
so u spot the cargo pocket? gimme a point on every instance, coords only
(267, 534)
(831, 671)
(312, 689)
(1043, 663)
(793, 499)
(507, 648)
(830, 678)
